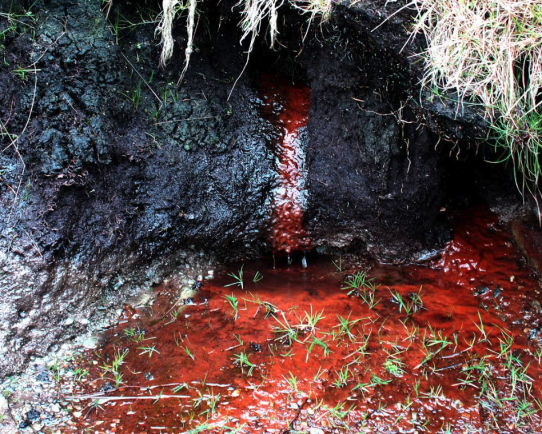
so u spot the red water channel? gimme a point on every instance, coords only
(287, 106)
(295, 353)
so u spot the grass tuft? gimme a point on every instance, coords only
(489, 52)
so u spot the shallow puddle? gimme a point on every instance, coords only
(449, 347)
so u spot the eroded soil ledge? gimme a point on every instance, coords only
(127, 178)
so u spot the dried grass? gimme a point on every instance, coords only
(491, 51)
(254, 13)
(315, 8)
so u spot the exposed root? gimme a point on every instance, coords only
(191, 30)
(165, 28)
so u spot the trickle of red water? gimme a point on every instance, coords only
(287, 106)
(464, 359)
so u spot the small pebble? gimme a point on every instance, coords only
(33, 415)
(25, 424)
(106, 387)
(43, 376)
(3, 405)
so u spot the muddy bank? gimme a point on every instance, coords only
(115, 172)
(109, 185)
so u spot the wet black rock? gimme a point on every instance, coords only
(254, 346)
(25, 424)
(197, 286)
(33, 415)
(30, 418)
(481, 290)
(107, 387)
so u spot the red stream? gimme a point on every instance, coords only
(465, 359)
(287, 106)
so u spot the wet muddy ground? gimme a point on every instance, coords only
(451, 346)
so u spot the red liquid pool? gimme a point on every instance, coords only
(451, 347)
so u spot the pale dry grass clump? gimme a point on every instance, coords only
(254, 15)
(490, 51)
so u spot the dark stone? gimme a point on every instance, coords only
(481, 290)
(197, 286)
(33, 415)
(43, 376)
(25, 424)
(107, 387)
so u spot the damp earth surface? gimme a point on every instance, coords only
(448, 346)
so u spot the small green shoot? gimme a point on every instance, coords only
(257, 277)
(243, 362)
(238, 278)
(148, 350)
(189, 353)
(342, 377)
(234, 303)
(292, 381)
(345, 326)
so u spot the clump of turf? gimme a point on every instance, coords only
(491, 51)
